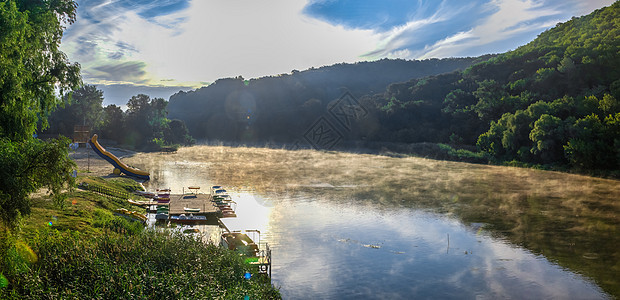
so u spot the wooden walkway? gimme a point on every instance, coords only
(178, 203)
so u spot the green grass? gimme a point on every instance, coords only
(85, 251)
(149, 265)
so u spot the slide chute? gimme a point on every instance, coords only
(112, 159)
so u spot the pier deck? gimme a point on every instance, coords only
(178, 203)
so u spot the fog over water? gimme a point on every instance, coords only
(344, 225)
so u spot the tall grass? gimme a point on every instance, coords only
(148, 265)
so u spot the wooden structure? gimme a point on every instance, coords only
(81, 134)
(199, 205)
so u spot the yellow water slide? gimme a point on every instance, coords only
(117, 163)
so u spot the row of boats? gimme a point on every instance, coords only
(223, 201)
(246, 243)
(161, 201)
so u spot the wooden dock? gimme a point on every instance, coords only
(204, 202)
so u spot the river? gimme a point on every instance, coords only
(345, 225)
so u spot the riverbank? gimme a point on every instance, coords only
(84, 250)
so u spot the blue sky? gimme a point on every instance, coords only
(158, 47)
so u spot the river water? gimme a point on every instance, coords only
(327, 243)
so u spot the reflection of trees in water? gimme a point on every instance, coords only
(570, 219)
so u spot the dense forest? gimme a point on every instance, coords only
(279, 108)
(551, 102)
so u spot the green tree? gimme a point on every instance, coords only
(113, 123)
(84, 108)
(33, 71)
(589, 146)
(177, 133)
(609, 104)
(548, 136)
(28, 166)
(146, 121)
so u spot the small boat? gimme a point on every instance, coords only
(228, 214)
(163, 193)
(223, 197)
(239, 242)
(190, 219)
(130, 214)
(258, 259)
(161, 216)
(220, 192)
(226, 209)
(191, 210)
(215, 188)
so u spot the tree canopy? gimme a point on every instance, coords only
(33, 71)
(33, 75)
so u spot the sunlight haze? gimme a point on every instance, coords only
(160, 47)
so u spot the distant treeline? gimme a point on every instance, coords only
(551, 102)
(281, 108)
(144, 126)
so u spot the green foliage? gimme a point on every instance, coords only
(592, 143)
(28, 166)
(548, 136)
(33, 71)
(113, 123)
(544, 103)
(118, 224)
(83, 108)
(148, 127)
(281, 108)
(145, 265)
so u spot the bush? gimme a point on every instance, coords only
(149, 265)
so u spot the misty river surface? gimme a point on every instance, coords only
(328, 245)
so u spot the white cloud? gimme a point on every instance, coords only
(213, 39)
(210, 40)
(501, 25)
(511, 17)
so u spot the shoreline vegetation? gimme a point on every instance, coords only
(82, 249)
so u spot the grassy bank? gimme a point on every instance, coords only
(83, 250)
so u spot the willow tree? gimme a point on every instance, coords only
(34, 77)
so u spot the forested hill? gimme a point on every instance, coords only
(553, 101)
(280, 108)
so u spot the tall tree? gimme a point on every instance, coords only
(113, 122)
(32, 68)
(33, 72)
(84, 108)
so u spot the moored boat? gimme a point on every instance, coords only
(188, 219)
(191, 210)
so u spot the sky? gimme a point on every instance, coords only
(158, 47)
